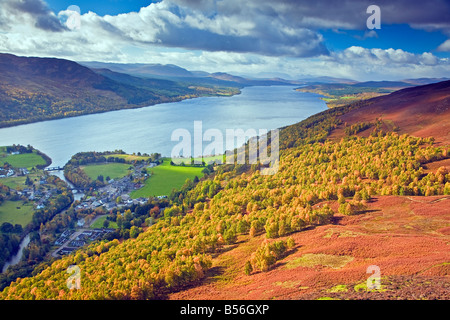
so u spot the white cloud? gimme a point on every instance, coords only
(445, 46)
(202, 40)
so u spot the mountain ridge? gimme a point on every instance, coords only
(36, 89)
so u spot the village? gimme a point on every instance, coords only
(116, 193)
(37, 192)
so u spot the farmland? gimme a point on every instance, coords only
(24, 160)
(166, 177)
(112, 170)
(16, 212)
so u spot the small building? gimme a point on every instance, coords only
(96, 204)
(81, 222)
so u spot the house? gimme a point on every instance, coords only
(81, 222)
(96, 204)
(110, 205)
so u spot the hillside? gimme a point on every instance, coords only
(336, 206)
(420, 111)
(36, 89)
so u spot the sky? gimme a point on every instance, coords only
(293, 39)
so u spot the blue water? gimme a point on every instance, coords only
(149, 129)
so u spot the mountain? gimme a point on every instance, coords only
(421, 111)
(423, 81)
(326, 79)
(382, 84)
(36, 89)
(179, 74)
(140, 69)
(351, 197)
(252, 81)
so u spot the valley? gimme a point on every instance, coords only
(342, 200)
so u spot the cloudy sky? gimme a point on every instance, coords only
(291, 38)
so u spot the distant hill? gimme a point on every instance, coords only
(422, 111)
(179, 74)
(382, 84)
(141, 69)
(423, 81)
(36, 89)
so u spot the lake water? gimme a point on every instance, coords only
(149, 129)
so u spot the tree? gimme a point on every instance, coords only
(119, 221)
(6, 227)
(248, 268)
(128, 215)
(134, 232)
(17, 228)
(28, 181)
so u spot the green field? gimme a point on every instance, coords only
(19, 182)
(128, 157)
(10, 213)
(113, 170)
(24, 160)
(98, 224)
(165, 178)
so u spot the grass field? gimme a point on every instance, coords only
(19, 182)
(128, 157)
(24, 160)
(98, 224)
(165, 178)
(9, 212)
(113, 170)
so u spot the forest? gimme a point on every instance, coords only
(237, 202)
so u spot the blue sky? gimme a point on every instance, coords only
(290, 38)
(104, 7)
(396, 36)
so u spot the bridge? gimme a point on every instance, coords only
(53, 169)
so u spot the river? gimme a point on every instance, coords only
(149, 129)
(18, 256)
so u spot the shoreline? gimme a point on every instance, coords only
(127, 107)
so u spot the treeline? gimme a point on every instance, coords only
(315, 128)
(19, 148)
(79, 178)
(267, 254)
(357, 127)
